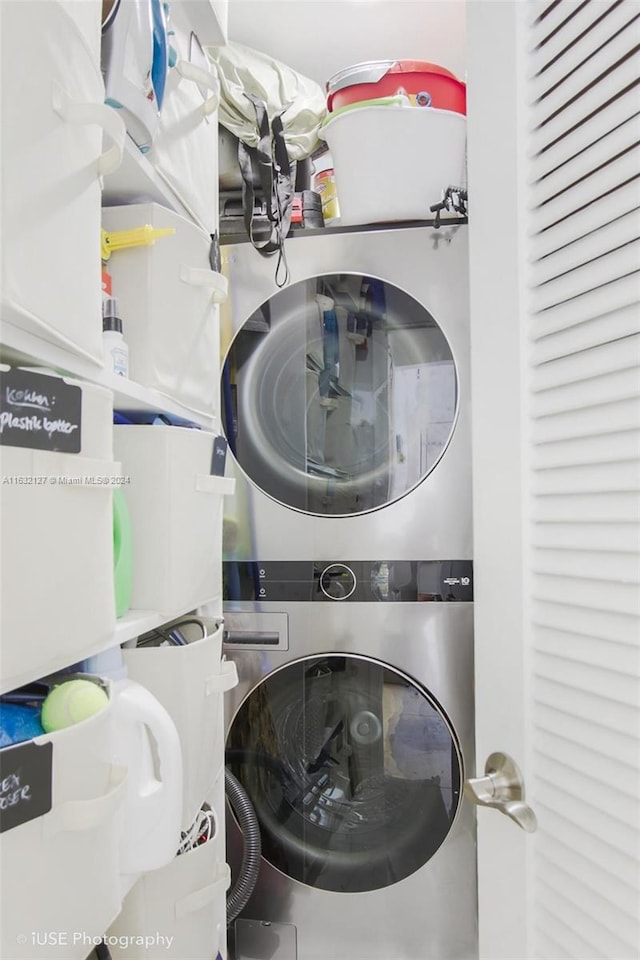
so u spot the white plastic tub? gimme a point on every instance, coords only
(392, 163)
(171, 912)
(176, 507)
(190, 681)
(184, 149)
(53, 119)
(168, 296)
(56, 563)
(59, 877)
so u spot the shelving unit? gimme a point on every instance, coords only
(33, 336)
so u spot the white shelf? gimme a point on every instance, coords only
(137, 181)
(20, 347)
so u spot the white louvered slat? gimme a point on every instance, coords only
(574, 865)
(574, 85)
(562, 832)
(614, 17)
(611, 933)
(586, 164)
(587, 451)
(589, 565)
(589, 305)
(619, 262)
(613, 85)
(587, 815)
(617, 170)
(596, 357)
(616, 477)
(559, 333)
(584, 137)
(620, 537)
(576, 730)
(591, 421)
(550, 36)
(612, 206)
(582, 508)
(616, 233)
(589, 762)
(605, 388)
(618, 801)
(571, 941)
(606, 685)
(598, 652)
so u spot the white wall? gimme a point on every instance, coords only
(319, 37)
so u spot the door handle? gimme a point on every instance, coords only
(502, 787)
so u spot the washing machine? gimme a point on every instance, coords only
(349, 595)
(351, 730)
(346, 398)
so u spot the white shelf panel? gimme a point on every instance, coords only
(136, 181)
(19, 346)
(136, 622)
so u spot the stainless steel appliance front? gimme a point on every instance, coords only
(346, 398)
(351, 729)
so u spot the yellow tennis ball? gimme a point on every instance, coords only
(72, 702)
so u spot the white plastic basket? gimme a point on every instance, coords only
(189, 681)
(57, 548)
(53, 118)
(392, 163)
(177, 903)
(59, 877)
(176, 515)
(168, 296)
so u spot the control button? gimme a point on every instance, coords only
(337, 581)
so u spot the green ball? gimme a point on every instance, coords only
(72, 702)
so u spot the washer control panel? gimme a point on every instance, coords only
(385, 581)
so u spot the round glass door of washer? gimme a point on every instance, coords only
(353, 770)
(339, 395)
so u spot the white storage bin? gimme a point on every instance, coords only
(56, 569)
(170, 912)
(394, 162)
(53, 118)
(189, 681)
(176, 515)
(168, 297)
(184, 150)
(59, 877)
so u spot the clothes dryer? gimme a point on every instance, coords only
(351, 729)
(346, 398)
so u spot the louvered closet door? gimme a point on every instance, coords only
(583, 409)
(555, 268)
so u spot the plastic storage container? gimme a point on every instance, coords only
(59, 878)
(173, 910)
(394, 162)
(169, 295)
(56, 571)
(50, 217)
(189, 681)
(427, 84)
(175, 506)
(184, 150)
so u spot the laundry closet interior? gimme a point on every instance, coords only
(248, 705)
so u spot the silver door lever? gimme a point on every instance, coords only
(502, 787)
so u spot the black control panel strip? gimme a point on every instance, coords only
(351, 581)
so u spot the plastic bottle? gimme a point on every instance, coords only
(115, 347)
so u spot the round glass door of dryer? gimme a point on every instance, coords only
(340, 395)
(354, 771)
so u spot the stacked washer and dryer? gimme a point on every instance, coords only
(349, 589)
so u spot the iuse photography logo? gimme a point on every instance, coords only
(62, 938)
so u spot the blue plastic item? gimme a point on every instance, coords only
(18, 723)
(152, 417)
(160, 64)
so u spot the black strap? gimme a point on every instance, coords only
(275, 173)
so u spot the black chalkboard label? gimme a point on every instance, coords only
(38, 411)
(25, 783)
(219, 457)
